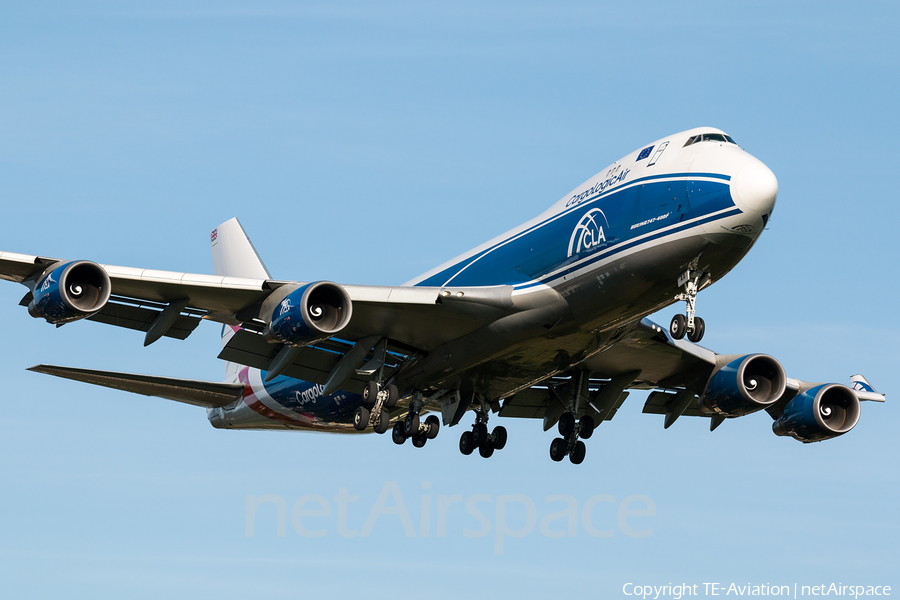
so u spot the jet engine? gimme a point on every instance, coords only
(819, 413)
(744, 385)
(310, 314)
(70, 292)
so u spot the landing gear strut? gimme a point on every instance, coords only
(692, 281)
(377, 399)
(412, 427)
(569, 444)
(480, 439)
(571, 428)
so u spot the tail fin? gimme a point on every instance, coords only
(234, 254)
(864, 390)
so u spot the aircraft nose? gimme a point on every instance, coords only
(754, 187)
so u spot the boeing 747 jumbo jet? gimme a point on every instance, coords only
(546, 321)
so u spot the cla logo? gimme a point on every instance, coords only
(285, 306)
(588, 233)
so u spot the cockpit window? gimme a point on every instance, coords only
(710, 137)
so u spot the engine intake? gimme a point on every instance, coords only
(744, 385)
(820, 413)
(310, 314)
(70, 292)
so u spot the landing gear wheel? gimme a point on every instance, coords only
(419, 440)
(577, 455)
(566, 424)
(587, 427)
(479, 434)
(678, 326)
(486, 450)
(499, 435)
(466, 443)
(558, 449)
(370, 393)
(699, 329)
(383, 423)
(411, 424)
(397, 434)
(393, 396)
(434, 425)
(361, 418)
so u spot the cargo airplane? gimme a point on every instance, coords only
(547, 321)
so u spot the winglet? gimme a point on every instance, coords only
(864, 390)
(234, 254)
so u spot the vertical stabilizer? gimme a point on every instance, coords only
(234, 254)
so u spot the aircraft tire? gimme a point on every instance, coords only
(419, 440)
(411, 424)
(370, 393)
(566, 424)
(678, 326)
(587, 427)
(466, 443)
(486, 450)
(397, 434)
(361, 418)
(393, 396)
(434, 426)
(699, 329)
(384, 422)
(479, 434)
(499, 435)
(558, 449)
(578, 452)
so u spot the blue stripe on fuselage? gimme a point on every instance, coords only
(642, 206)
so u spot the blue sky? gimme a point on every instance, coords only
(366, 143)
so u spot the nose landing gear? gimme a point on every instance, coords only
(693, 326)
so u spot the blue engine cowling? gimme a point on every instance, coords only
(744, 385)
(819, 413)
(70, 292)
(310, 314)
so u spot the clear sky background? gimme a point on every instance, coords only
(366, 143)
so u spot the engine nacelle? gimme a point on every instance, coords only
(310, 314)
(70, 292)
(744, 385)
(819, 413)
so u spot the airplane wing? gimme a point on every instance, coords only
(188, 391)
(172, 304)
(648, 358)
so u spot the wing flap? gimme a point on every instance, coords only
(312, 363)
(188, 391)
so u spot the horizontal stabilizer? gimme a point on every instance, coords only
(864, 390)
(189, 391)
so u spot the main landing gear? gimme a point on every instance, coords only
(569, 426)
(692, 281)
(569, 444)
(412, 427)
(480, 439)
(377, 399)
